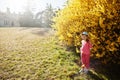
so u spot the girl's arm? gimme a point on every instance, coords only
(90, 44)
(83, 47)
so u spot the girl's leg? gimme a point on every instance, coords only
(87, 61)
(83, 63)
(83, 60)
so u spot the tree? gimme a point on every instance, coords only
(46, 15)
(49, 13)
(100, 18)
(26, 20)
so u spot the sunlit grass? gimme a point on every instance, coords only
(27, 56)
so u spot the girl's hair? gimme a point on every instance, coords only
(87, 38)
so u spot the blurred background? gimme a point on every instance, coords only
(29, 13)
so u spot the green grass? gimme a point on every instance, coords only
(27, 56)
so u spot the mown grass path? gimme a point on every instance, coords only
(35, 54)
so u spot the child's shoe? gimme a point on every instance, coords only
(82, 69)
(86, 71)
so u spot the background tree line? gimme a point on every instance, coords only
(41, 19)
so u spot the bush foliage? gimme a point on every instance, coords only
(101, 18)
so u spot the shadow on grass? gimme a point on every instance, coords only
(99, 71)
(40, 31)
(108, 71)
(90, 75)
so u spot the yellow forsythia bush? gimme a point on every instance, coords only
(101, 18)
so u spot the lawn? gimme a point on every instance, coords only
(36, 54)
